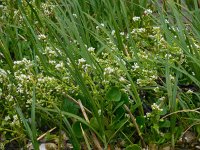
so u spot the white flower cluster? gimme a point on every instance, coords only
(108, 70)
(3, 75)
(156, 89)
(113, 32)
(135, 66)
(189, 91)
(25, 62)
(148, 115)
(46, 79)
(142, 54)
(136, 18)
(197, 46)
(50, 52)
(59, 66)
(156, 28)
(162, 98)
(156, 107)
(148, 12)
(91, 49)
(122, 79)
(15, 120)
(86, 67)
(7, 118)
(75, 15)
(138, 30)
(47, 8)
(81, 61)
(42, 37)
(100, 26)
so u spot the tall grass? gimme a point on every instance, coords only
(66, 28)
(185, 24)
(80, 21)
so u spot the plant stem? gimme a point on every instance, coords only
(136, 125)
(96, 142)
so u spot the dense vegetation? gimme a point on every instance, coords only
(99, 74)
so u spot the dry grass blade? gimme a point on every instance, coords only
(96, 142)
(75, 102)
(42, 136)
(181, 111)
(136, 125)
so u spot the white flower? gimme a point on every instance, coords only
(59, 66)
(99, 112)
(86, 67)
(148, 11)
(189, 91)
(15, 117)
(41, 37)
(171, 77)
(75, 15)
(122, 79)
(156, 107)
(91, 49)
(29, 101)
(139, 81)
(121, 33)
(136, 18)
(108, 70)
(197, 46)
(127, 36)
(154, 77)
(102, 24)
(9, 98)
(168, 56)
(7, 118)
(50, 51)
(135, 66)
(162, 98)
(81, 60)
(141, 30)
(148, 115)
(129, 86)
(53, 62)
(156, 89)
(127, 115)
(156, 28)
(105, 81)
(166, 21)
(113, 32)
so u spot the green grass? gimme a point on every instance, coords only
(55, 54)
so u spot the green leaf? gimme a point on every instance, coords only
(133, 147)
(198, 129)
(140, 120)
(94, 123)
(113, 94)
(119, 114)
(77, 129)
(164, 124)
(109, 133)
(69, 106)
(124, 97)
(119, 105)
(117, 127)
